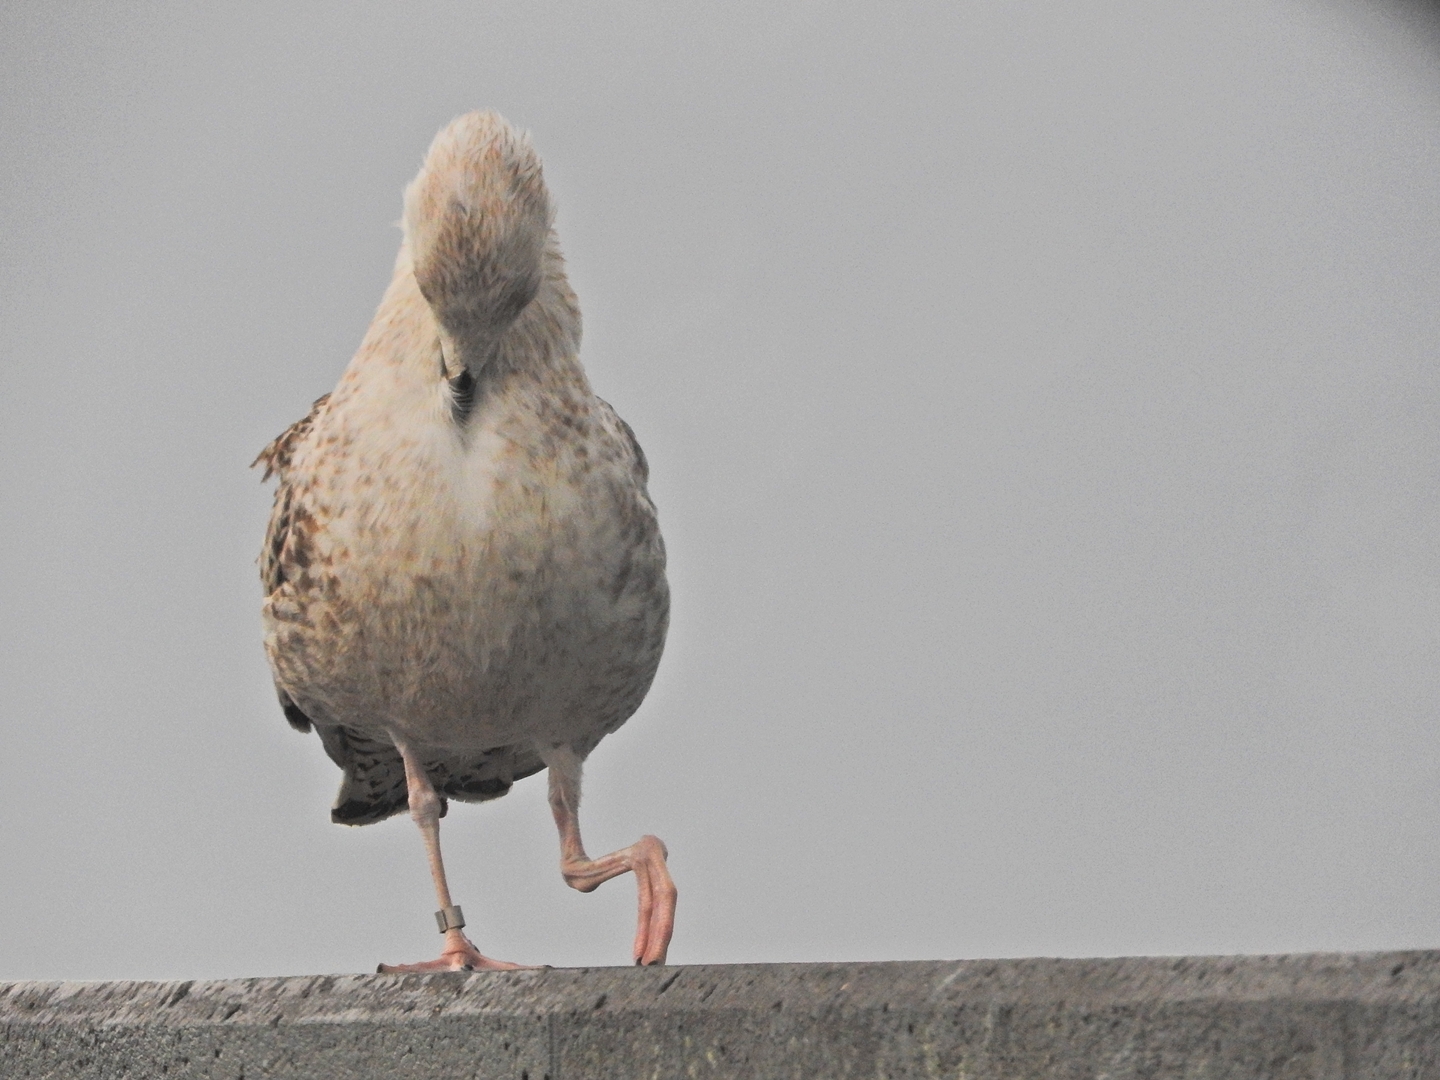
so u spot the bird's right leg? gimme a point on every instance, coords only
(459, 953)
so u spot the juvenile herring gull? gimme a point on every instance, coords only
(465, 578)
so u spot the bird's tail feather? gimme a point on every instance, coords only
(477, 218)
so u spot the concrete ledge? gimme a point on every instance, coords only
(1345, 1015)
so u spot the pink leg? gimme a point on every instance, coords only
(645, 858)
(459, 954)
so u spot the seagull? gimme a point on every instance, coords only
(464, 573)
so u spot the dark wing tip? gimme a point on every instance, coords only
(298, 720)
(363, 812)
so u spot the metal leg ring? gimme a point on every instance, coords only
(450, 918)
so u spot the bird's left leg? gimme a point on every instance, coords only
(645, 858)
(459, 953)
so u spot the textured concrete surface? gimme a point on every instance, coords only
(1363, 1015)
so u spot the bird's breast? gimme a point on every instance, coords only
(475, 586)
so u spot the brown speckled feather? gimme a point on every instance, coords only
(462, 552)
(276, 459)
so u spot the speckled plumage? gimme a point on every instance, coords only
(462, 554)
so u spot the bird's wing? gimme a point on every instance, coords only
(485, 776)
(276, 459)
(276, 456)
(373, 787)
(273, 556)
(639, 462)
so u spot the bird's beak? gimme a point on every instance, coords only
(449, 356)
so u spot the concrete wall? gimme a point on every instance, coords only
(1363, 1015)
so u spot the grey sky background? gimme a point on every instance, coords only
(1043, 412)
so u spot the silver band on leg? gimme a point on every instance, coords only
(450, 918)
